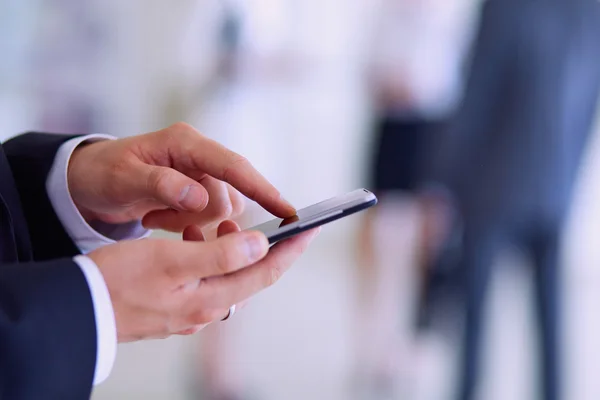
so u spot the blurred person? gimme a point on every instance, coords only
(62, 312)
(248, 82)
(416, 79)
(218, 378)
(511, 157)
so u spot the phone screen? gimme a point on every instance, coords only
(303, 215)
(325, 210)
(272, 226)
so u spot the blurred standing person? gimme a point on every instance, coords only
(247, 108)
(219, 378)
(513, 153)
(251, 78)
(416, 79)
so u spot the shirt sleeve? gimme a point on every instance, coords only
(106, 329)
(88, 239)
(85, 237)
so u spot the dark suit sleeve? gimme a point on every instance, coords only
(47, 332)
(30, 157)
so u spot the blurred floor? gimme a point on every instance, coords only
(295, 340)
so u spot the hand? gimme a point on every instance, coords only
(171, 178)
(162, 287)
(194, 233)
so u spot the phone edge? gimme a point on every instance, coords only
(347, 212)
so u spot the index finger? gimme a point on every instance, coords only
(223, 291)
(228, 166)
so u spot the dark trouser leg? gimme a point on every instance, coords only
(545, 251)
(479, 251)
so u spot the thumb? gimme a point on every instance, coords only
(171, 188)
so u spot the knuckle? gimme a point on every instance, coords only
(224, 258)
(217, 315)
(172, 268)
(170, 138)
(198, 318)
(183, 128)
(224, 211)
(252, 192)
(235, 163)
(203, 317)
(165, 135)
(165, 329)
(191, 331)
(157, 179)
(237, 208)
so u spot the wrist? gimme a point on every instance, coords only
(78, 178)
(106, 333)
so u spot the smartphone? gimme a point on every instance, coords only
(316, 215)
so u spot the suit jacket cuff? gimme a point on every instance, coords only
(30, 157)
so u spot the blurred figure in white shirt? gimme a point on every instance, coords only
(416, 76)
(244, 109)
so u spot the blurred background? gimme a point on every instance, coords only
(476, 277)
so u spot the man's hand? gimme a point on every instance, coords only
(161, 287)
(171, 179)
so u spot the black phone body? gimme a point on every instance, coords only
(316, 215)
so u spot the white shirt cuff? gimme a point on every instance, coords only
(106, 329)
(88, 239)
(85, 237)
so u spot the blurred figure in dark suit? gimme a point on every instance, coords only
(512, 155)
(415, 79)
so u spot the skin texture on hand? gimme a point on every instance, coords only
(194, 233)
(161, 287)
(178, 180)
(171, 179)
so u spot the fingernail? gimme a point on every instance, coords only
(191, 198)
(255, 246)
